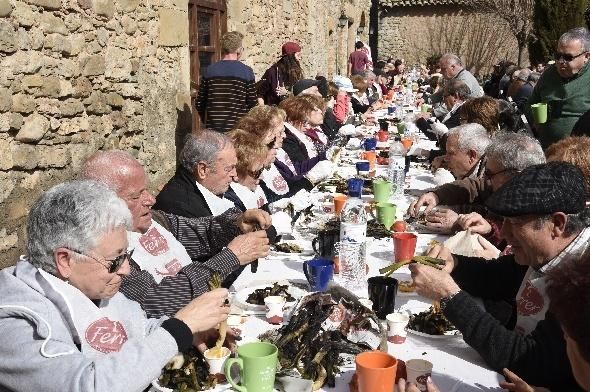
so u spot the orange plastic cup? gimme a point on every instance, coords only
(375, 371)
(371, 156)
(339, 200)
(404, 246)
(407, 142)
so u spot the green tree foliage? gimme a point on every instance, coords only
(552, 18)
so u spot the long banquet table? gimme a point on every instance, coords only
(457, 367)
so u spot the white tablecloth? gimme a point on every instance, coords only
(457, 367)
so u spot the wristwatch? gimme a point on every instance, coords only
(444, 301)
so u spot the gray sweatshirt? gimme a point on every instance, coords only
(38, 351)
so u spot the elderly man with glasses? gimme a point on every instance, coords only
(65, 326)
(545, 221)
(564, 87)
(507, 155)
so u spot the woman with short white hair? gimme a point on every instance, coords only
(65, 326)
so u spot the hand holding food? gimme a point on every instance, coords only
(403, 386)
(249, 247)
(489, 251)
(440, 252)
(475, 223)
(515, 383)
(254, 219)
(432, 282)
(428, 200)
(205, 311)
(442, 218)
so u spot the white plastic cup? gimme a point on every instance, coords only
(418, 372)
(216, 364)
(274, 309)
(396, 327)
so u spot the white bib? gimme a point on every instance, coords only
(158, 252)
(250, 199)
(274, 180)
(303, 138)
(101, 330)
(216, 204)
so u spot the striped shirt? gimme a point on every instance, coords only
(227, 92)
(202, 238)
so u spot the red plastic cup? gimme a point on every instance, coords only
(404, 246)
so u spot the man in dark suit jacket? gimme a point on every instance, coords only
(208, 166)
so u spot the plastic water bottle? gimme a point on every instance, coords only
(353, 238)
(397, 166)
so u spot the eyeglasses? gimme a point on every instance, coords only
(256, 173)
(567, 57)
(114, 264)
(272, 143)
(490, 175)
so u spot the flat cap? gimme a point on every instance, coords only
(541, 190)
(304, 84)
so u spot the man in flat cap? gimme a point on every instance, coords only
(545, 222)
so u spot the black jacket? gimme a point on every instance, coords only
(540, 357)
(180, 196)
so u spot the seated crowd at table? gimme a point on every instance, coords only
(114, 280)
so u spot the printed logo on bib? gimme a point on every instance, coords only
(154, 242)
(172, 268)
(105, 335)
(279, 183)
(530, 301)
(260, 201)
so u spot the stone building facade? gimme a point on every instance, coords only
(416, 29)
(77, 76)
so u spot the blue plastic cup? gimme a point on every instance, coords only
(319, 273)
(370, 144)
(363, 167)
(355, 187)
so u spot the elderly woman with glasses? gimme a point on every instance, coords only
(246, 192)
(65, 326)
(282, 177)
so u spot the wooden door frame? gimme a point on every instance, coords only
(219, 10)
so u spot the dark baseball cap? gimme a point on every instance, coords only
(541, 190)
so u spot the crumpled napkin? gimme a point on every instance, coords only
(443, 176)
(301, 200)
(293, 384)
(348, 130)
(282, 222)
(466, 243)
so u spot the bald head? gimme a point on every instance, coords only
(110, 167)
(122, 173)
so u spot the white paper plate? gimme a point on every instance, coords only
(241, 296)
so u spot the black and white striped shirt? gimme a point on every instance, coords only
(227, 91)
(203, 238)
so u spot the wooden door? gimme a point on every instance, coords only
(207, 23)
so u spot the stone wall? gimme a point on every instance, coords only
(267, 24)
(78, 76)
(81, 75)
(414, 33)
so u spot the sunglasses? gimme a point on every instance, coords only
(256, 174)
(272, 143)
(566, 56)
(114, 264)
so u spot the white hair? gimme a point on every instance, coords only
(471, 136)
(515, 151)
(577, 34)
(72, 215)
(203, 147)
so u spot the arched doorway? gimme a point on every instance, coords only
(207, 23)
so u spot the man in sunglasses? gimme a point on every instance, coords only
(175, 257)
(564, 87)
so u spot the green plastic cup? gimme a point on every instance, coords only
(382, 190)
(539, 111)
(401, 127)
(258, 366)
(386, 214)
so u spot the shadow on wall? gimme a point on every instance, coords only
(184, 121)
